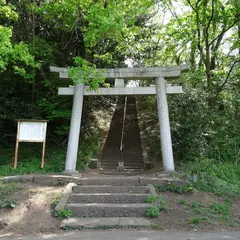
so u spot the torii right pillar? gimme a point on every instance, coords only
(163, 118)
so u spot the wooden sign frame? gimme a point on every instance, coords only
(41, 139)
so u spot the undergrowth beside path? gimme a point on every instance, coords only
(221, 178)
(6, 192)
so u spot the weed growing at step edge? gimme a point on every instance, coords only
(157, 227)
(161, 203)
(55, 201)
(153, 212)
(64, 213)
(150, 199)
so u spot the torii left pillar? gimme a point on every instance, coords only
(164, 124)
(72, 149)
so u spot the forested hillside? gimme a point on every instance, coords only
(205, 119)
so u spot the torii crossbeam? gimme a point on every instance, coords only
(119, 75)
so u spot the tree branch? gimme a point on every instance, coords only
(228, 75)
(211, 18)
(224, 31)
(195, 10)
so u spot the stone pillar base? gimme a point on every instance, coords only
(70, 172)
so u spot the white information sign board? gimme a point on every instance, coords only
(31, 131)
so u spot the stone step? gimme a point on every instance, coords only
(123, 173)
(128, 163)
(110, 189)
(124, 150)
(113, 157)
(109, 153)
(127, 168)
(116, 181)
(115, 170)
(130, 166)
(97, 223)
(133, 165)
(107, 198)
(107, 210)
(118, 151)
(127, 159)
(115, 161)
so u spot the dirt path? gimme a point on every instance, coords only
(33, 213)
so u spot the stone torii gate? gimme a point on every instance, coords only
(161, 89)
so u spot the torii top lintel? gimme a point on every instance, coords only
(132, 73)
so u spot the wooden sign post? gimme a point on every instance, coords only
(31, 131)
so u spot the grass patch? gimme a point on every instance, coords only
(7, 189)
(214, 211)
(29, 160)
(195, 220)
(196, 207)
(220, 211)
(182, 202)
(29, 157)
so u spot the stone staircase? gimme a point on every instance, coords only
(108, 198)
(99, 199)
(131, 154)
